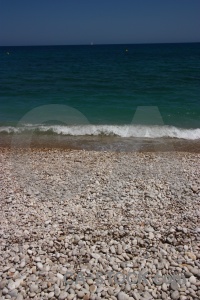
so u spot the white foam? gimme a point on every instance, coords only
(109, 130)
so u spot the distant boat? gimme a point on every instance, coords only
(91, 43)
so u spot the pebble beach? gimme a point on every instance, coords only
(81, 224)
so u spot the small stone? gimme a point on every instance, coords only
(136, 296)
(127, 287)
(112, 249)
(193, 287)
(197, 229)
(163, 252)
(95, 255)
(78, 286)
(18, 282)
(70, 296)
(147, 296)
(198, 293)
(89, 281)
(60, 276)
(5, 291)
(33, 288)
(16, 259)
(191, 255)
(44, 285)
(192, 280)
(104, 250)
(86, 297)
(164, 287)
(154, 295)
(80, 294)
(12, 270)
(20, 297)
(110, 291)
(13, 293)
(122, 296)
(134, 242)
(119, 249)
(56, 290)
(22, 264)
(194, 188)
(151, 235)
(76, 238)
(39, 266)
(3, 283)
(11, 285)
(51, 243)
(63, 296)
(149, 229)
(175, 295)
(93, 288)
(174, 286)
(194, 271)
(50, 295)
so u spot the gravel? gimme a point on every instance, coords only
(91, 213)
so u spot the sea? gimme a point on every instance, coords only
(101, 97)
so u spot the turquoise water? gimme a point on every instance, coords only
(125, 90)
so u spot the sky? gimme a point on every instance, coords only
(72, 22)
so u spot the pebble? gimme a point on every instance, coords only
(33, 288)
(3, 283)
(71, 296)
(164, 287)
(122, 296)
(192, 279)
(50, 295)
(151, 235)
(175, 295)
(174, 285)
(195, 188)
(80, 294)
(63, 296)
(56, 290)
(11, 285)
(194, 271)
(119, 249)
(191, 255)
(60, 276)
(136, 296)
(13, 293)
(39, 266)
(93, 288)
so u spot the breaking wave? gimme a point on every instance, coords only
(138, 131)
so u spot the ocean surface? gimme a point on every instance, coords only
(124, 91)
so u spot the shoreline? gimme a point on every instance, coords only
(90, 211)
(100, 143)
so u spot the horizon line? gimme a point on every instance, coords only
(98, 44)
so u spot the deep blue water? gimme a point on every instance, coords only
(112, 87)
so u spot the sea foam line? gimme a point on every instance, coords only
(139, 131)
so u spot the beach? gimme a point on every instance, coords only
(134, 214)
(99, 172)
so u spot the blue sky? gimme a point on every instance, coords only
(63, 22)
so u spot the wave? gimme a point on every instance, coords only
(125, 131)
